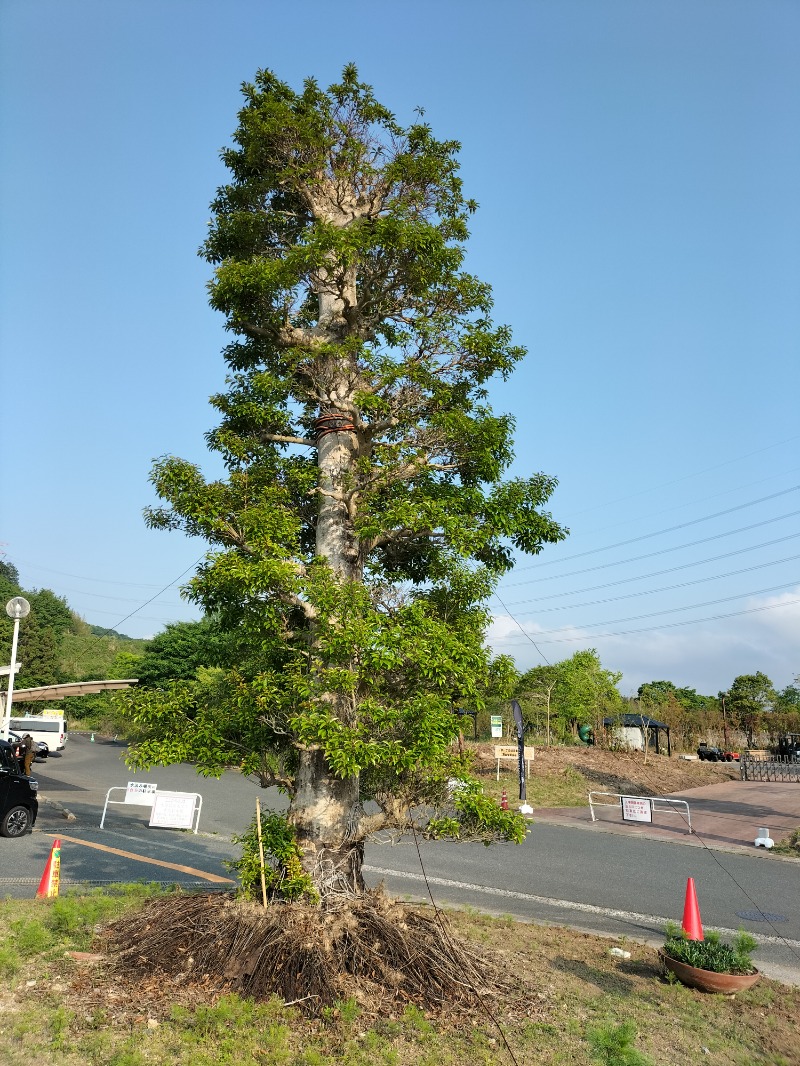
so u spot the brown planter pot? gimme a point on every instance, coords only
(708, 980)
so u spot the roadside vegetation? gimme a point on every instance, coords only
(568, 1000)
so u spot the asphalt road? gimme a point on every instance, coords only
(617, 885)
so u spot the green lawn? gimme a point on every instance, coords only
(573, 1003)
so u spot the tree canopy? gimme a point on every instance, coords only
(656, 693)
(750, 697)
(365, 516)
(575, 691)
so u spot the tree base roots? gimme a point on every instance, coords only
(372, 949)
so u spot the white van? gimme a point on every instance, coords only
(49, 727)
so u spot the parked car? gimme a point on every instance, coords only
(50, 726)
(711, 753)
(19, 804)
(40, 749)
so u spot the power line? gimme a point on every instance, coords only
(526, 635)
(674, 610)
(653, 629)
(84, 577)
(186, 571)
(658, 573)
(662, 551)
(661, 532)
(104, 596)
(685, 503)
(653, 592)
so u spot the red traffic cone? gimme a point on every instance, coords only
(692, 925)
(504, 801)
(48, 886)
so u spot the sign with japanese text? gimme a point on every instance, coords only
(141, 792)
(636, 809)
(174, 810)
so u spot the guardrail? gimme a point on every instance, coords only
(642, 808)
(169, 810)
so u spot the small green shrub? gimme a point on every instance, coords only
(711, 953)
(9, 961)
(28, 936)
(284, 876)
(613, 1046)
(789, 846)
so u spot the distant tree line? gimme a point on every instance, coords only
(56, 646)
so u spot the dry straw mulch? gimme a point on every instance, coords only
(371, 948)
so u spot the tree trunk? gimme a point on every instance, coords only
(336, 454)
(325, 814)
(325, 810)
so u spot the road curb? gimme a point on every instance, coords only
(66, 814)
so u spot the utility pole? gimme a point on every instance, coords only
(724, 719)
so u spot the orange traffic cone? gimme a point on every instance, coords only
(692, 925)
(504, 801)
(48, 886)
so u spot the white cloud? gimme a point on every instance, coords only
(705, 655)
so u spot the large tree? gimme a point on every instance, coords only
(751, 696)
(660, 693)
(41, 633)
(364, 520)
(572, 692)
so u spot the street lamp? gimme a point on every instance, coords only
(16, 608)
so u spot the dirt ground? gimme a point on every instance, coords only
(619, 771)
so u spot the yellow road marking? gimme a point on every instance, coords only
(144, 858)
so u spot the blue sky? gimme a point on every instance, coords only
(637, 166)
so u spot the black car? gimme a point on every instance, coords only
(19, 804)
(40, 749)
(711, 753)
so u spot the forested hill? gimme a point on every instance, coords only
(56, 645)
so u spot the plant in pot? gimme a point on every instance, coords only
(710, 964)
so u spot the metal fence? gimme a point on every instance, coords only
(653, 805)
(773, 768)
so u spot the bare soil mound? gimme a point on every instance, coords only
(621, 771)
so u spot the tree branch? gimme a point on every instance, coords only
(279, 438)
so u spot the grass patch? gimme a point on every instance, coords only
(789, 845)
(573, 1003)
(566, 788)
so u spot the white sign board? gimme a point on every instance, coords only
(141, 792)
(636, 809)
(174, 810)
(496, 722)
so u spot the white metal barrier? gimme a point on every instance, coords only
(642, 808)
(168, 810)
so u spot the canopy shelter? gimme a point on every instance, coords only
(642, 722)
(45, 693)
